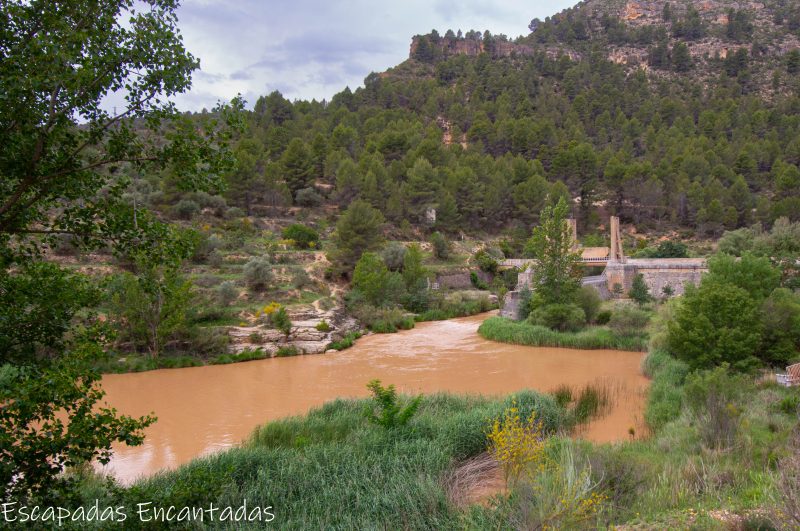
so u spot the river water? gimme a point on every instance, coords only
(205, 409)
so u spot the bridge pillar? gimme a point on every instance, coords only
(615, 253)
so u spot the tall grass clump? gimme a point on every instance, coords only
(334, 469)
(507, 331)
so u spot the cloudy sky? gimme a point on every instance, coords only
(313, 49)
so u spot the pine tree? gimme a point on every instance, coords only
(298, 166)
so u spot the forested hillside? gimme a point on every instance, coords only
(481, 129)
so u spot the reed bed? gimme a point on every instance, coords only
(593, 338)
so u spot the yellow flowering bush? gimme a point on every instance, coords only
(268, 310)
(553, 491)
(516, 444)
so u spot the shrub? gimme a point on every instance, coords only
(589, 301)
(302, 237)
(301, 279)
(617, 290)
(285, 352)
(476, 281)
(393, 255)
(186, 209)
(559, 495)
(323, 326)
(440, 245)
(629, 321)
(256, 338)
(390, 414)
(515, 443)
(346, 342)
(233, 213)
(561, 317)
(308, 197)
(603, 317)
(258, 273)
(714, 398)
(487, 261)
(280, 320)
(227, 292)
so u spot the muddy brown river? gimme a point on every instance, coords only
(205, 409)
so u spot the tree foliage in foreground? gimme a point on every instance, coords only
(64, 165)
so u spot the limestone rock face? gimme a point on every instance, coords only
(304, 335)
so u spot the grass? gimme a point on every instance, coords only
(598, 337)
(332, 469)
(245, 355)
(141, 363)
(346, 342)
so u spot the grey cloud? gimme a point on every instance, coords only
(313, 49)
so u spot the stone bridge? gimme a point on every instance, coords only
(656, 272)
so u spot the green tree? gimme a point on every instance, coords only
(374, 283)
(681, 58)
(357, 231)
(298, 166)
(149, 308)
(556, 274)
(793, 62)
(715, 323)
(64, 169)
(639, 291)
(415, 276)
(440, 245)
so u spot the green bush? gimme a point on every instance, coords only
(589, 301)
(308, 197)
(603, 317)
(560, 317)
(227, 292)
(390, 414)
(323, 326)
(714, 398)
(440, 246)
(393, 255)
(476, 281)
(280, 320)
(258, 273)
(285, 352)
(245, 355)
(629, 321)
(186, 209)
(487, 260)
(346, 342)
(302, 237)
